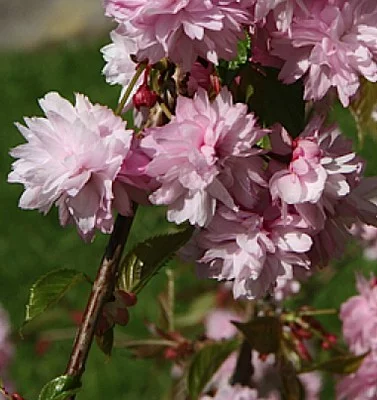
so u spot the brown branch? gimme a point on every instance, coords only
(102, 290)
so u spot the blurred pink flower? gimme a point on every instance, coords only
(236, 392)
(361, 385)
(368, 236)
(359, 317)
(6, 347)
(218, 324)
(72, 158)
(182, 29)
(190, 155)
(330, 44)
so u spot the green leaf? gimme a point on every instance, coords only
(49, 289)
(270, 99)
(147, 258)
(362, 107)
(60, 388)
(205, 363)
(197, 311)
(228, 70)
(263, 333)
(345, 364)
(106, 341)
(243, 54)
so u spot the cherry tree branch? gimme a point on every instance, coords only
(102, 290)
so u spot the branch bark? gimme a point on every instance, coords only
(102, 290)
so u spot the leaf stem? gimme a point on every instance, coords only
(165, 110)
(141, 67)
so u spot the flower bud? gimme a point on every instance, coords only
(144, 97)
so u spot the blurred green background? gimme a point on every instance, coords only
(31, 245)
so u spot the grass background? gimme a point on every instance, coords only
(31, 245)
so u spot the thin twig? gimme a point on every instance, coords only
(102, 290)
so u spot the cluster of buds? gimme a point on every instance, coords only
(115, 311)
(303, 328)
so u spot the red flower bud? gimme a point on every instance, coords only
(170, 353)
(303, 351)
(16, 396)
(128, 299)
(144, 97)
(263, 357)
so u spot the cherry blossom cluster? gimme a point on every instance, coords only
(264, 214)
(328, 43)
(359, 317)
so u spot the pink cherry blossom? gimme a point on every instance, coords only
(359, 317)
(119, 68)
(283, 11)
(72, 158)
(331, 44)
(200, 76)
(251, 250)
(190, 155)
(182, 29)
(321, 158)
(362, 384)
(368, 238)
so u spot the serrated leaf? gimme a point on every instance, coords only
(263, 333)
(205, 363)
(49, 289)
(148, 257)
(60, 388)
(346, 364)
(362, 108)
(106, 341)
